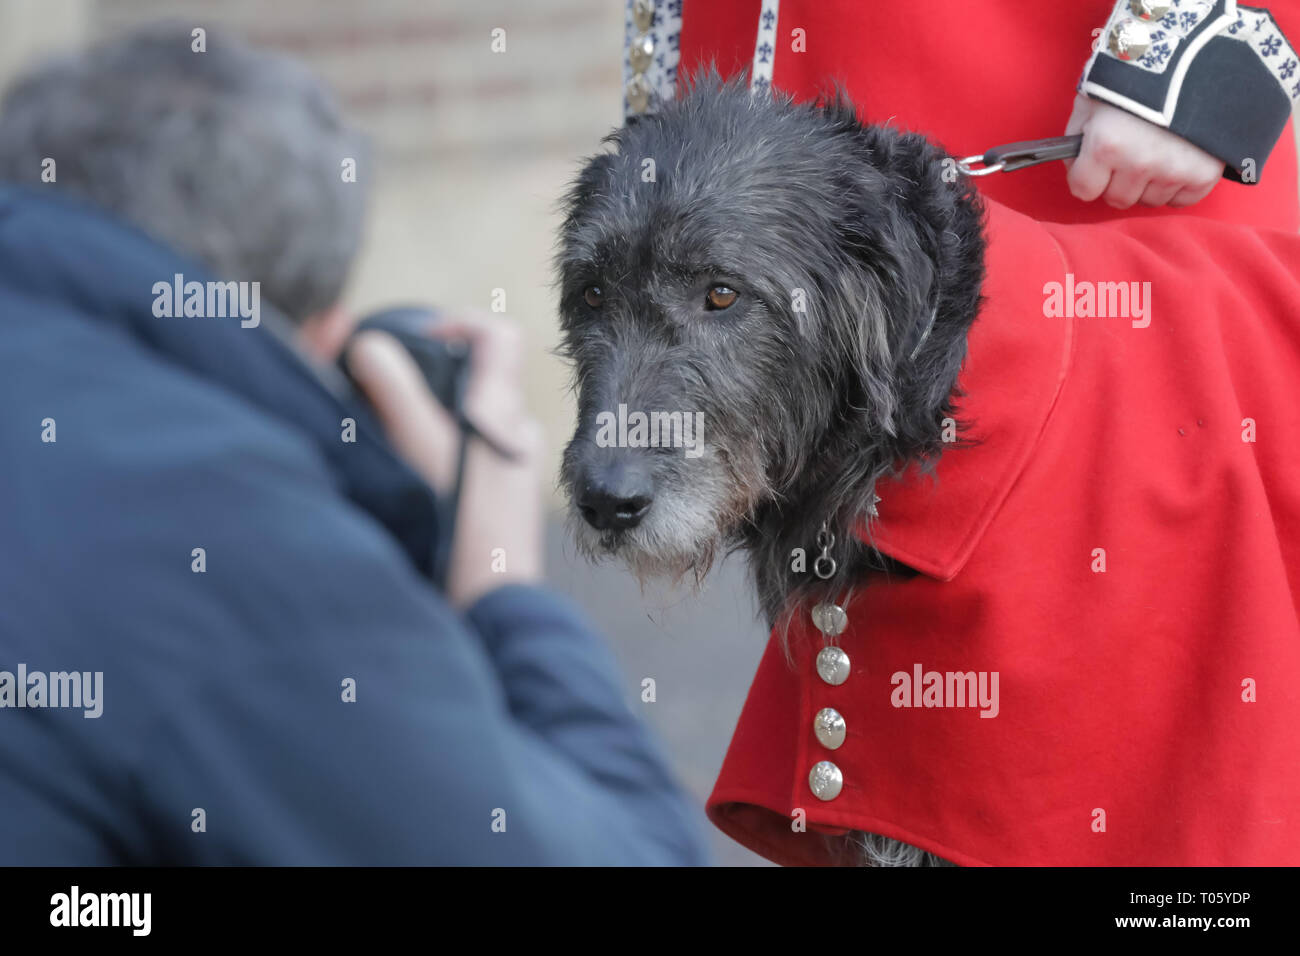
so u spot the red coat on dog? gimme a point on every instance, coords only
(1099, 662)
(1121, 548)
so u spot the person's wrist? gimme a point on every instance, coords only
(499, 528)
(467, 587)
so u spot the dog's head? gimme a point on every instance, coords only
(742, 281)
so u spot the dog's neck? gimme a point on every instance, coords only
(838, 485)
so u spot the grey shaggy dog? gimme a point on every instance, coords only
(805, 282)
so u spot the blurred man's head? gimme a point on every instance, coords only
(234, 156)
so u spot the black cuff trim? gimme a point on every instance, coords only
(1221, 86)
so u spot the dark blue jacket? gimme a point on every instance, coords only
(223, 690)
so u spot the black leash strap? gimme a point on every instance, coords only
(1013, 156)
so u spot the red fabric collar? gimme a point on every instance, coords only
(1014, 370)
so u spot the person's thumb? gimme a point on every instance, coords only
(1079, 115)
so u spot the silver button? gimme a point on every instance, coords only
(643, 14)
(833, 665)
(641, 53)
(829, 726)
(1148, 9)
(638, 94)
(825, 780)
(830, 619)
(1130, 40)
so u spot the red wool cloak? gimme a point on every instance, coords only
(1148, 713)
(1164, 690)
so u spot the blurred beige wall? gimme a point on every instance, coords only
(474, 147)
(32, 28)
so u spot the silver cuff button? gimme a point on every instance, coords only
(1130, 40)
(1148, 9)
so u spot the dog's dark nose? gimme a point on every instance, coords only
(616, 497)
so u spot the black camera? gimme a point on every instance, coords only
(445, 365)
(446, 369)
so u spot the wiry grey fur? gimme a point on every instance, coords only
(804, 410)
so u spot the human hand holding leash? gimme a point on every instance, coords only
(1126, 160)
(499, 499)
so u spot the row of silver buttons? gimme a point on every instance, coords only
(640, 55)
(825, 779)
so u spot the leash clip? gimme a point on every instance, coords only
(1012, 156)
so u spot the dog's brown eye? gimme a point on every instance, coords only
(593, 296)
(720, 297)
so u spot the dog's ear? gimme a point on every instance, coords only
(591, 179)
(886, 275)
(915, 234)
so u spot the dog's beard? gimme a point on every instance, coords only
(699, 509)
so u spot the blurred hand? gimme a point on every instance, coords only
(1126, 160)
(500, 501)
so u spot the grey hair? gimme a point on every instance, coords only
(232, 156)
(877, 850)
